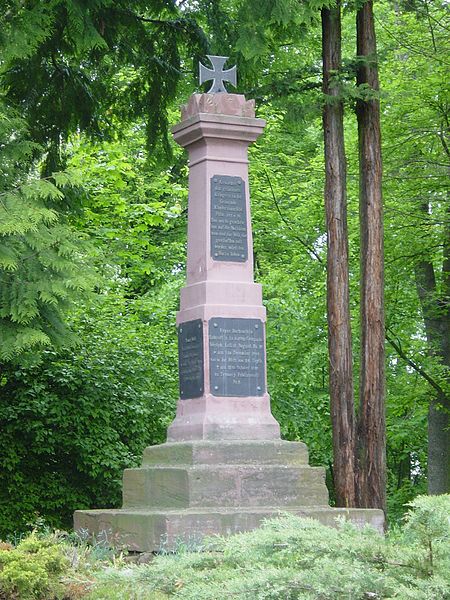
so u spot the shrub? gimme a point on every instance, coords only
(292, 558)
(32, 570)
(288, 558)
(71, 423)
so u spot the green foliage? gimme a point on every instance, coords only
(428, 524)
(69, 52)
(263, 25)
(288, 557)
(289, 255)
(71, 423)
(41, 265)
(32, 570)
(296, 558)
(288, 223)
(112, 70)
(134, 211)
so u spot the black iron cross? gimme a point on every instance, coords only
(217, 74)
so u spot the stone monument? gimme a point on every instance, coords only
(224, 467)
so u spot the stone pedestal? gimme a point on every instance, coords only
(187, 490)
(224, 467)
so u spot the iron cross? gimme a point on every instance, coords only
(217, 74)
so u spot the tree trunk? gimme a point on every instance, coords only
(339, 332)
(436, 316)
(371, 442)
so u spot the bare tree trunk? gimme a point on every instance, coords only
(436, 316)
(339, 332)
(371, 443)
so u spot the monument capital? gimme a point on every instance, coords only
(218, 104)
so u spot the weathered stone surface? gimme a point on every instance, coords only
(262, 452)
(151, 530)
(221, 104)
(186, 490)
(224, 486)
(222, 418)
(222, 474)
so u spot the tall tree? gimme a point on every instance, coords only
(338, 306)
(69, 66)
(435, 304)
(61, 63)
(371, 442)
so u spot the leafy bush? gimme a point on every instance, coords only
(73, 422)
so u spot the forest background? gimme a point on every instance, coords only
(93, 206)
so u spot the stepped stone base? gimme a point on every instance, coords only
(187, 490)
(144, 530)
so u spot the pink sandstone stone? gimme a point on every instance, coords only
(222, 104)
(217, 129)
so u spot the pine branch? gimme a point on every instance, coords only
(178, 23)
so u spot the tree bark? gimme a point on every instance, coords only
(436, 316)
(338, 313)
(371, 442)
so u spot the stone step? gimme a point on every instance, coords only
(223, 485)
(262, 452)
(153, 530)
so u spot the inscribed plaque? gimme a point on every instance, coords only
(190, 359)
(228, 219)
(236, 357)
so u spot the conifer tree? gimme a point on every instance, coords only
(371, 433)
(61, 62)
(59, 69)
(40, 256)
(338, 304)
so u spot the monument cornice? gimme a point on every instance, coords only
(211, 125)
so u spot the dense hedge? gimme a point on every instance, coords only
(71, 423)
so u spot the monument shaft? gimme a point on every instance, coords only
(221, 322)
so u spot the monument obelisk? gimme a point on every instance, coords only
(221, 322)
(224, 467)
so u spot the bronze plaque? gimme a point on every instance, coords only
(190, 359)
(237, 363)
(228, 219)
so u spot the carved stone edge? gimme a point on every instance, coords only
(219, 104)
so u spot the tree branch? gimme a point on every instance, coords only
(309, 248)
(397, 347)
(175, 24)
